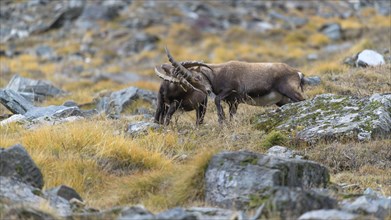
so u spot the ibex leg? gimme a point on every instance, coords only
(201, 110)
(220, 110)
(170, 112)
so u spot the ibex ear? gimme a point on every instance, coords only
(198, 69)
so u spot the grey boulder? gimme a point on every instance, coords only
(14, 102)
(33, 90)
(369, 58)
(198, 213)
(280, 151)
(233, 177)
(135, 212)
(328, 117)
(65, 192)
(328, 214)
(16, 194)
(14, 191)
(370, 203)
(140, 128)
(332, 31)
(288, 202)
(312, 81)
(16, 162)
(114, 103)
(19, 105)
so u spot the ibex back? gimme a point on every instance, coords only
(253, 83)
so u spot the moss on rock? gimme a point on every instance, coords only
(330, 116)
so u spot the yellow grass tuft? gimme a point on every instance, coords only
(148, 85)
(295, 38)
(329, 68)
(380, 21)
(187, 184)
(367, 176)
(318, 40)
(83, 154)
(68, 47)
(221, 54)
(351, 24)
(359, 46)
(274, 138)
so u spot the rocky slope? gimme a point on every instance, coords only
(78, 94)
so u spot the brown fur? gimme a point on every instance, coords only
(174, 96)
(240, 82)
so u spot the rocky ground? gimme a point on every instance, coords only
(78, 92)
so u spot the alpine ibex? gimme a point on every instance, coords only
(181, 89)
(257, 84)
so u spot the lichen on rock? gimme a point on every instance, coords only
(330, 116)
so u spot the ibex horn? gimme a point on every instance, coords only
(188, 64)
(175, 80)
(166, 77)
(178, 67)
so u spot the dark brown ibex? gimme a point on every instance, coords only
(257, 84)
(181, 89)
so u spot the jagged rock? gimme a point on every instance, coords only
(332, 31)
(61, 205)
(326, 214)
(135, 212)
(333, 48)
(121, 78)
(197, 213)
(63, 17)
(70, 103)
(288, 202)
(117, 101)
(329, 116)
(232, 177)
(27, 212)
(369, 58)
(140, 128)
(294, 22)
(14, 102)
(19, 105)
(176, 213)
(16, 162)
(53, 111)
(33, 90)
(13, 119)
(14, 191)
(139, 42)
(383, 7)
(312, 56)
(312, 80)
(65, 192)
(96, 12)
(279, 151)
(209, 213)
(45, 52)
(371, 203)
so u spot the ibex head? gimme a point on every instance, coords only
(185, 73)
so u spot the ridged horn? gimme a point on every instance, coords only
(188, 64)
(178, 66)
(166, 77)
(175, 80)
